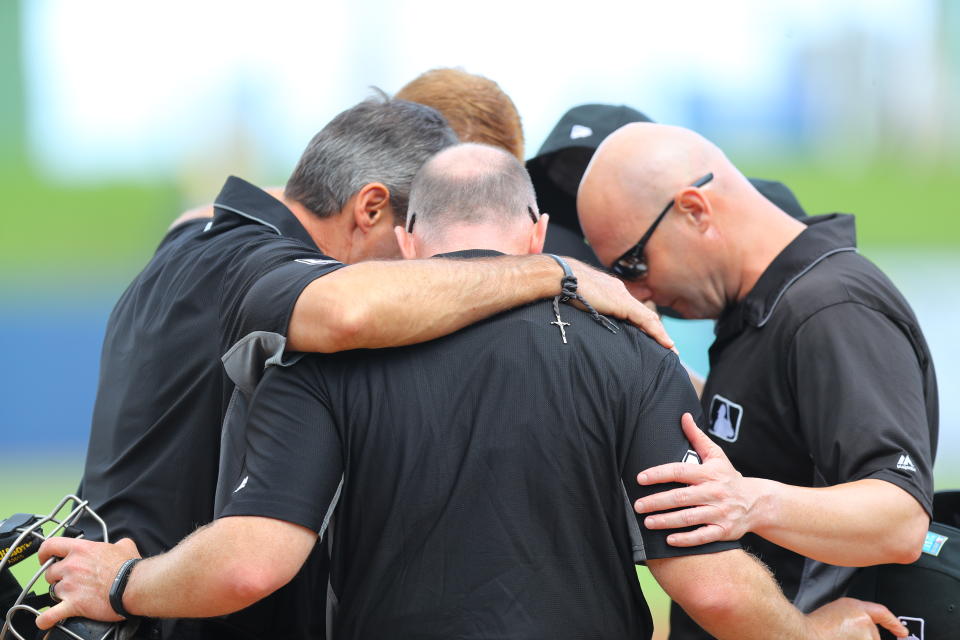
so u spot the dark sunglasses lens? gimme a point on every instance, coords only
(630, 268)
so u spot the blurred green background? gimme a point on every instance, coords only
(114, 117)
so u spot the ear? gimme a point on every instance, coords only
(372, 206)
(408, 245)
(538, 233)
(692, 202)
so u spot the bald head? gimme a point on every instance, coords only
(712, 242)
(645, 164)
(469, 191)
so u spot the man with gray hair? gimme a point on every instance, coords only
(479, 483)
(264, 276)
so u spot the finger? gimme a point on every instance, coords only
(55, 573)
(682, 472)
(703, 535)
(649, 322)
(885, 618)
(58, 546)
(55, 614)
(702, 444)
(682, 518)
(673, 499)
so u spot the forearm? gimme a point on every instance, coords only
(189, 581)
(382, 304)
(220, 568)
(852, 524)
(731, 595)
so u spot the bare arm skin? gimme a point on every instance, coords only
(220, 568)
(734, 597)
(853, 524)
(205, 211)
(393, 303)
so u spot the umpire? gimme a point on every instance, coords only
(252, 279)
(821, 388)
(473, 487)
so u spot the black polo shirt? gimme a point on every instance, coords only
(152, 461)
(821, 376)
(479, 485)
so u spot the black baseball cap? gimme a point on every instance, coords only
(925, 595)
(560, 163)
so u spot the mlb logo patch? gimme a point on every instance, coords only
(914, 627)
(725, 418)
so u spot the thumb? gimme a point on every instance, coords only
(129, 546)
(702, 443)
(53, 615)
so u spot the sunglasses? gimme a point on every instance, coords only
(632, 265)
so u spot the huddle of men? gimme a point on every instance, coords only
(475, 474)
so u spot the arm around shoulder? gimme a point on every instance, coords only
(373, 305)
(197, 213)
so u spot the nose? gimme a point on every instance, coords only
(639, 290)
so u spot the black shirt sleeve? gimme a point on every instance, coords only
(653, 437)
(267, 302)
(293, 466)
(859, 393)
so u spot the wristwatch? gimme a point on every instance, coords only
(120, 585)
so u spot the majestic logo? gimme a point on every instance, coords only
(914, 627)
(316, 262)
(243, 483)
(691, 457)
(905, 463)
(725, 418)
(579, 131)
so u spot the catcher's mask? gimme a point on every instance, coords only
(20, 537)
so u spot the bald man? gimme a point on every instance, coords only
(821, 388)
(478, 483)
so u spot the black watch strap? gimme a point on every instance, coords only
(120, 585)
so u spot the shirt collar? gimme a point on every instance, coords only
(240, 198)
(823, 237)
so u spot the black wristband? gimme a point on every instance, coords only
(120, 585)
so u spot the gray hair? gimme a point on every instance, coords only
(470, 184)
(378, 140)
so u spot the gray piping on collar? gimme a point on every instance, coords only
(247, 215)
(797, 277)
